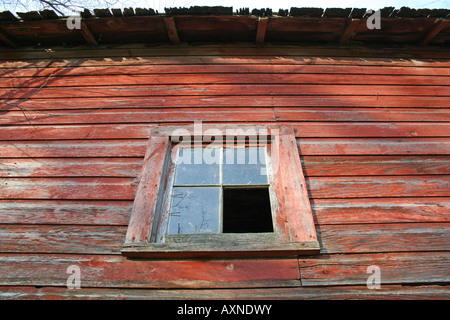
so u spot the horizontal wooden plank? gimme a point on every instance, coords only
(73, 167)
(230, 50)
(203, 59)
(326, 211)
(169, 115)
(303, 130)
(233, 66)
(319, 187)
(136, 116)
(386, 292)
(375, 165)
(65, 212)
(223, 89)
(68, 188)
(366, 129)
(387, 146)
(379, 186)
(116, 271)
(61, 239)
(75, 148)
(225, 78)
(355, 238)
(244, 100)
(33, 132)
(360, 114)
(307, 146)
(242, 45)
(395, 268)
(380, 210)
(380, 238)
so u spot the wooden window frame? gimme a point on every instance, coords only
(294, 229)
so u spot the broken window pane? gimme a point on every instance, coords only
(244, 166)
(194, 210)
(247, 210)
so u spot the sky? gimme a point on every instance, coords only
(286, 4)
(252, 4)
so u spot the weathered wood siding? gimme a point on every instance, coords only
(372, 129)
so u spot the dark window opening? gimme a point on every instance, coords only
(246, 210)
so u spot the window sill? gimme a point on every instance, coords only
(232, 249)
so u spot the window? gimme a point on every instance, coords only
(218, 191)
(228, 194)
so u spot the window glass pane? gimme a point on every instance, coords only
(194, 210)
(197, 166)
(244, 166)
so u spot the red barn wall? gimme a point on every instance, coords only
(372, 131)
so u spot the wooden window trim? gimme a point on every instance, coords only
(294, 224)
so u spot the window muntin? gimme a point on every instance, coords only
(202, 175)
